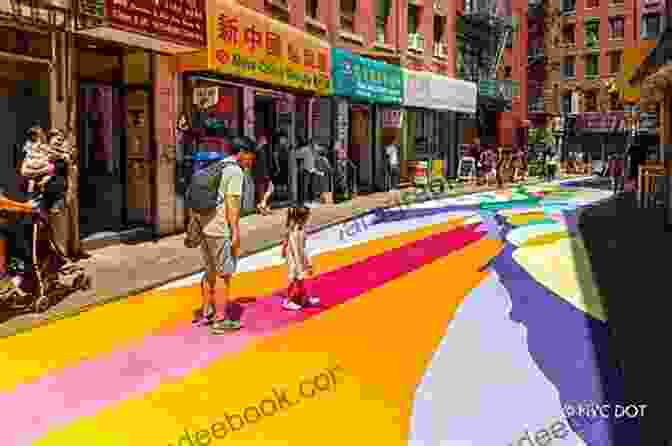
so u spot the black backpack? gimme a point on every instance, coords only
(202, 194)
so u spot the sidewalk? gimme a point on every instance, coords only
(126, 269)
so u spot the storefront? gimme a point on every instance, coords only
(369, 97)
(125, 75)
(431, 132)
(258, 77)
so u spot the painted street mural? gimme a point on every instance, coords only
(465, 321)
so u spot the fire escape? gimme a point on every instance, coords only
(536, 59)
(483, 32)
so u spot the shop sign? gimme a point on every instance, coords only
(179, 21)
(245, 43)
(598, 121)
(366, 79)
(433, 91)
(416, 89)
(393, 118)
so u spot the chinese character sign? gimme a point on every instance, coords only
(244, 43)
(366, 79)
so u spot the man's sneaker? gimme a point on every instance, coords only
(313, 302)
(288, 304)
(201, 319)
(225, 326)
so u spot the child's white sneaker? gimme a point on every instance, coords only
(313, 301)
(287, 304)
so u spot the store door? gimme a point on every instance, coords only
(360, 144)
(102, 175)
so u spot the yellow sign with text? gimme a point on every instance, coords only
(245, 43)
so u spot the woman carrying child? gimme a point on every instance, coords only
(298, 262)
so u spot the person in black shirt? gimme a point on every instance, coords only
(636, 156)
(262, 176)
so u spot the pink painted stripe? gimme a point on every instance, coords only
(95, 384)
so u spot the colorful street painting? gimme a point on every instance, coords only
(464, 321)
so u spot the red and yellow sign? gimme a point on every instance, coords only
(245, 43)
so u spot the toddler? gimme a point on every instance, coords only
(298, 262)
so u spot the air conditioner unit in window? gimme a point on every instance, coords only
(416, 41)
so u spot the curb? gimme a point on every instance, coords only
(143, 289)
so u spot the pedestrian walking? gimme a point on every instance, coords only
(263, 176)
(298, 262)
(616, 172)
(552, 169)
(637, 157)
(214, 226)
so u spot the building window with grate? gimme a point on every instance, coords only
(651, 26)
(348, 11)
(592, 4)
(590, 101)
(592, 27)
(568, 67)
(311, 9)
(615, 62)
(568, 35)
(568, 6)
(412, 19)
(616, 27)
(592, 65)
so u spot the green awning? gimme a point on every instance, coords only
(591, 20)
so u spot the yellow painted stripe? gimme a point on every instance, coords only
(65, 343)
(382, 341)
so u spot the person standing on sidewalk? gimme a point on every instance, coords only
(218, 234)
(263, 177)
(553, 162)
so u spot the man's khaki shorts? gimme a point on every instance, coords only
(217, 256)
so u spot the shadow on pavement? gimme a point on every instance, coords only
(626, 248)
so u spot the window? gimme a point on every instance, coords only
(348, 10)
(592, 32)
(616, 27)
(382, 13)
(566, 104)
(592, 65)
(615, 62)
(568, 35)
(592, 3)
(568, 67)
(568, 5)
(590, 101)
(412, 19)
(439, 28)
(651, 25)
(311, 9)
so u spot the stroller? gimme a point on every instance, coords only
(48, 275)
(35, 270)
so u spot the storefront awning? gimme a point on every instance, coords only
(436, 92)
(246, 44)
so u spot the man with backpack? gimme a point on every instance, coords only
(214, 198)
